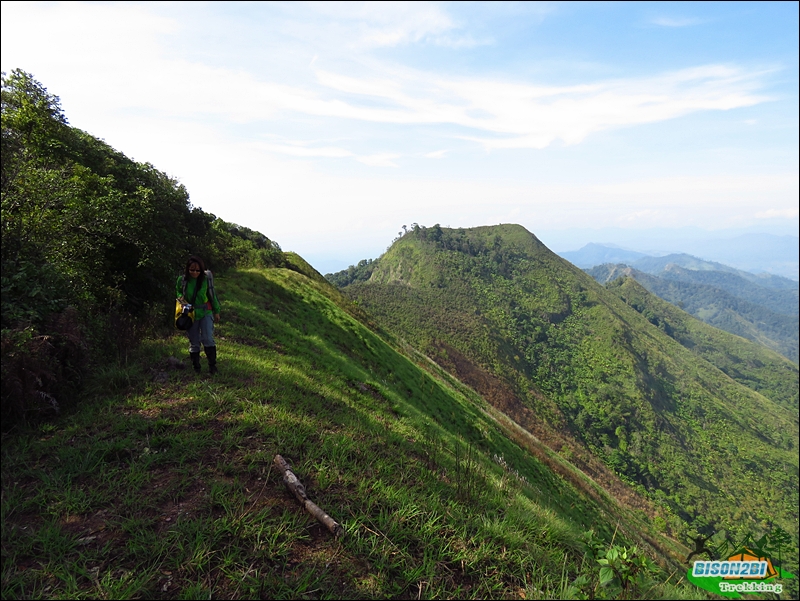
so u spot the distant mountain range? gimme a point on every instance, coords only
(597, 254)
(760, 307)
(676, 262)
(754, 253)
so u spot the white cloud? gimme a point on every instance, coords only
(524, 115)
(438, 154)
(379, 160)
(123, 44)
(389, 24)
(676, 21)
(536, 116)
(306, 151)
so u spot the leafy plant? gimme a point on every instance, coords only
(621, 572)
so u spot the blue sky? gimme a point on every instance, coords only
(327, 126)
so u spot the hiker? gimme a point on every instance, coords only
(196, 287)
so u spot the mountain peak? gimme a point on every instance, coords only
(597, 254)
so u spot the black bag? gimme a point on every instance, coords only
(184, 315)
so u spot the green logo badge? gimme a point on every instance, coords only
(747, 571)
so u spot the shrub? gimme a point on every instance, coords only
(41, 373)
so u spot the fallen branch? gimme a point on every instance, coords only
(299, 491)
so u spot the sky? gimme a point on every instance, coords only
(328, 126)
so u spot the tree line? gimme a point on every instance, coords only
(92, 242)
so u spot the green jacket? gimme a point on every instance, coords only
(203, 305)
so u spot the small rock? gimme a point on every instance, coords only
(175, 363)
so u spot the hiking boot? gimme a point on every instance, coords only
(211, 353)
(195, 357)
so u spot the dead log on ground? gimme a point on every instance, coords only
(299, 491)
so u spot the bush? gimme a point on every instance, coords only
(31, 292)
(41, 373)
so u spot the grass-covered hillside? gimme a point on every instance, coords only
(752, 365)
(762, 313)
(535, 333)
(161, 483)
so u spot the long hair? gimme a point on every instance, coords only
(199, 261)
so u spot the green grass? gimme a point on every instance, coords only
(161, 484)
(752, 365)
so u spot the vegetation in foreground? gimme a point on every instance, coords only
(91, 244)
(163, 485)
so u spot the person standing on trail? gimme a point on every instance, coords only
(196, 287)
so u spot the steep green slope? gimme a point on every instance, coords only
(751, 365)
(494, 301)
(719, 307)
(164, 485)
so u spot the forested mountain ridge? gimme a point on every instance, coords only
(783, 300)
(494, 304)
(724, 300)
(657, 265)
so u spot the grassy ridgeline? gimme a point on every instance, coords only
(690, 428)
(162, 484)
